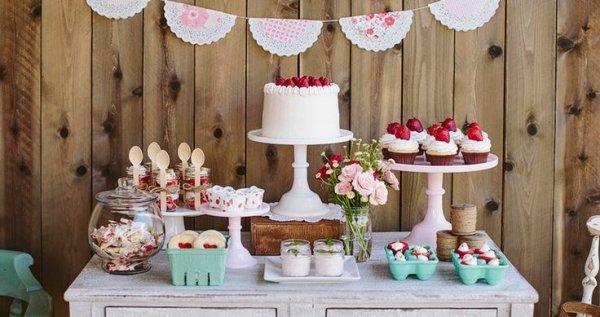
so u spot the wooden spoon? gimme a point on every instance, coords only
(136, 156)
(153, 150)
(184, 152)
(198, 160)
(162, 161)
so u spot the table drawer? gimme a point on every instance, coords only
(188, 311)
(410, 312)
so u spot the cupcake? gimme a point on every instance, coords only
(417, 132)
(429, 138)
(475, 147)
(456, 134)
(404, 149)
(442, 150)
(388, 137)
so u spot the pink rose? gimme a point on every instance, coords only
(379, 195)
(364, 183)
(391, 179)
(194, 17)
(343, 188)
(349, 172)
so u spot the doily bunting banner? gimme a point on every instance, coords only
(287, 37)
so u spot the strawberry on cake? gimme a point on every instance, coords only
(442, 150)
(388, 138)
(403, 150)
(475, 146)
(301, 108)
(417, 132)
(456, 134)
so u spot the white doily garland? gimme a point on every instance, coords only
(285, 37)
(464, 15)
(377, 31)
(118, 9)
(335, 213)
(197, 25)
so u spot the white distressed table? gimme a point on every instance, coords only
(245, 293)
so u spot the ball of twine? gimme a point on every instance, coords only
(475, 241)
(464, 219)
(446, 241)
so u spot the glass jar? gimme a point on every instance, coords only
(172, 185)
(329, 257)
(357, 233)
(190, 179)
(144, 175)
(126, 229)
(295, 257)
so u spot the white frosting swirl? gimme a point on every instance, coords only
(484, 248)
(404, 146)
(463, 247)
(440, 147)
(468, 145)
(273, 89)
(386, 139)
(469, 260)
(418, 136)
(399, 257)
(457, 136)
(428, 139)
(494, 262)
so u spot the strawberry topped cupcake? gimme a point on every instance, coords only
(417, 132)
(388, 137)
(403, 150)
(456, 134)
(442, 150)
(475, 146)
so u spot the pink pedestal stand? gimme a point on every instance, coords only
(237, 257)
(434, 221)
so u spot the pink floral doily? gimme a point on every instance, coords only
(377, 31)
(117, 9)
(197, 25)
(285, 37)
(464, 15)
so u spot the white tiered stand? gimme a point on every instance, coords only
(434, 221)
(300, 201)
(174, 221)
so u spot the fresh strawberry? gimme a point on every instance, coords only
(475, 134)
(449, 124)
(279, 81)
(397, 246)
(289, 83)
(414, 124)
(392, 127)
(434, 127)
(415, 252)
(473, 124)
(403, 133)
(442, 135)
(296, 80)
(488, 256)
(316, 83)
(303, 83)
(185, 245)
(325, 81)
(311, 78)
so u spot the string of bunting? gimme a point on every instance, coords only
(286, 37)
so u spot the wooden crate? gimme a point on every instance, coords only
(268, 234)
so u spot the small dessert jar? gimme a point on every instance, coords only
(172, 186)
(295, 257)
(144, 175)
(190, 179)
(329, 257)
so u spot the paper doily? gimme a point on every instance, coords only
(377, 31)
(118, 9)
(285, 37)
(197, 25)
(464, 15)
(335, 213)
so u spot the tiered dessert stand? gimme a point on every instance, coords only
(300, 201)
(434, 221)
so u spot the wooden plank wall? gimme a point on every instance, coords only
(77, 90)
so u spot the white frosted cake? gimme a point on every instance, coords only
(306, 110)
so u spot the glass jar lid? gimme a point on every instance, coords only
(125, 194)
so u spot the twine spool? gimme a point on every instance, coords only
(464, 219)
(446, 241)
(475, 241)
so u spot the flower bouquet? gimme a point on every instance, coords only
(355, 181)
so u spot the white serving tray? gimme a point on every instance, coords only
(273, 273)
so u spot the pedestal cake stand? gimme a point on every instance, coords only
(174, 221)
(425, 231)
(237, 257)
(300, 201)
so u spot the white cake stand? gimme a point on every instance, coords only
(174, 221)
(237, 257)
(300, 201)
(434, 221)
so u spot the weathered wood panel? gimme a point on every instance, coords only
(479, 96)
(376, 100)
(66, 147)
(428, 82)
(577, 160)
(529, 142)
(221, 104)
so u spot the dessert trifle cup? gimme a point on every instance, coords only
(295, 257)
(329, 257)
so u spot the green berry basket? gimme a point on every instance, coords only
(400, 270)
(197, 267)
(469, 275)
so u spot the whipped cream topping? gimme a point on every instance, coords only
(441, 147)
(399, 257)
(494, 262)
(469, 260)
(418, 136)
(427, 141)
(463, 247)
(402, 146)
(468, 145)
(273, 89)
(457, 136)
(419, 250)
(489, 254)
(386, 139)
(484, 248)
(398, 245)
(423, 258)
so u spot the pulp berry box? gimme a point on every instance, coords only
(469, 275)
(400, 270)
(197, 267)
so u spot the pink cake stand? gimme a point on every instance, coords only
(434, 221)
(238, 257)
